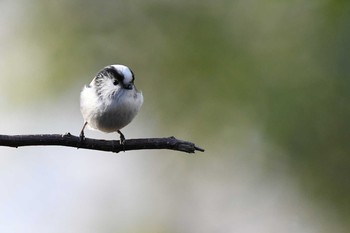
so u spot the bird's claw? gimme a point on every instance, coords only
(82, 137)
(122, 139)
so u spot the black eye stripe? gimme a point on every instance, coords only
(133, 76)
(115, 74)
(111, 72)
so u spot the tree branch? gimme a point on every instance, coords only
(69, 140)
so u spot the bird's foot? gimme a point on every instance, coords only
(82, 136)
(122, 137)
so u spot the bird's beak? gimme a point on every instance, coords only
(128, 86)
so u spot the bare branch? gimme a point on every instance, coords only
(69, 140)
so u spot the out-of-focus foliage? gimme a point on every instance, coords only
(213, 66)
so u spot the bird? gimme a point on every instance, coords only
(111, 101)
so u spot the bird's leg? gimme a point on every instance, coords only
(122, 138)
(82, 136)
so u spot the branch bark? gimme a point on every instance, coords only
(70, 140)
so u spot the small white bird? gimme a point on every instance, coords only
(110, 101)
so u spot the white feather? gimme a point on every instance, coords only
(115, 107)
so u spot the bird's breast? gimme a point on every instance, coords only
(120, 111)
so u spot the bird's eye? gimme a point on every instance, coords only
(115, 82)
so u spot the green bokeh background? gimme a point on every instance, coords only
(212, 71)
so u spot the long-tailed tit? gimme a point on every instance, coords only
(110, 101)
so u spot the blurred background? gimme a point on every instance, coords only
(263, 86)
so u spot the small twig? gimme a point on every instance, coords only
(69, 140)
